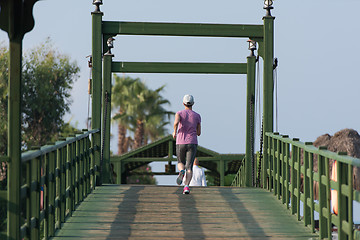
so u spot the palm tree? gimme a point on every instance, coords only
(155, 128)
(145, 110)
(157, 121)
(140, 111)
(122, 94)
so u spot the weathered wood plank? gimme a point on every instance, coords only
(159, 212)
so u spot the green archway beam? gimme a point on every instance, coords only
(182, 29)
(175, 67)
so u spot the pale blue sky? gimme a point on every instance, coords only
(315, 42)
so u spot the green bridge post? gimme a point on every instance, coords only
(14, 138)
(250, 100)
(16, 19)
(268, 83)
(96, 88)
(106, 177)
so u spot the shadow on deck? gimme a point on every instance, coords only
(163, 212)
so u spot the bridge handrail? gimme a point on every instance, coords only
(28, 155)
(56, 178)
(289, 173)
(312, 149)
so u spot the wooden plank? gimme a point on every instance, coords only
(163, 212)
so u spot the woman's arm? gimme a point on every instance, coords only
(198, 129)
(176, 123)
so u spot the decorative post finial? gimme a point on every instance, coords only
(97, 4)
(110, 44)
(268, 6)
(252, 47)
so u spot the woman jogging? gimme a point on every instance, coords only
(187, 126)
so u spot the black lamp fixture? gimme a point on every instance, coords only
(97, 3)
(110, 44)
(268, 6)
(252, 47)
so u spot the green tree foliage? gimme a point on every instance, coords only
(4, 75)
(3, 128)
(47, 80)
(48, 77)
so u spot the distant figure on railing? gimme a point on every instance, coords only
(187, 126)
(198, 177)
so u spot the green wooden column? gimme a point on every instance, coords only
(96, 88)
(268, 83)
(222, 171)
(16, 19)
(106, 117)
(14, 139)
(250, 110)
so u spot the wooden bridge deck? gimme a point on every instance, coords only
(163, 212)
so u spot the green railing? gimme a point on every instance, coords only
(289, 173)
(239, 179)
(55, 179)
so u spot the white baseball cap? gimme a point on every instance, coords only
(188, 100)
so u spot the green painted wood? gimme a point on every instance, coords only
(298, 182)
(163, 212)
(29, 155)
(35, 200)
(45, 187)
(96, 86)
(106, 113)
(171, 149)
(328, 205)
(350, 209)
(52, 193)
(28, 180)
(14, 139)
(267, 49)
(159, 159)
(302, 163)
(182, 29)
(278, 173)
(307, 211)
(87, 167)
(179, 67)
(3, 195)
(77, 173)
(309, 148)
(293, 175)
(287, 173)
(69, 178)
(81, 170)
(62, 188)
(250, 122)
(312, 206)
(221, 169)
